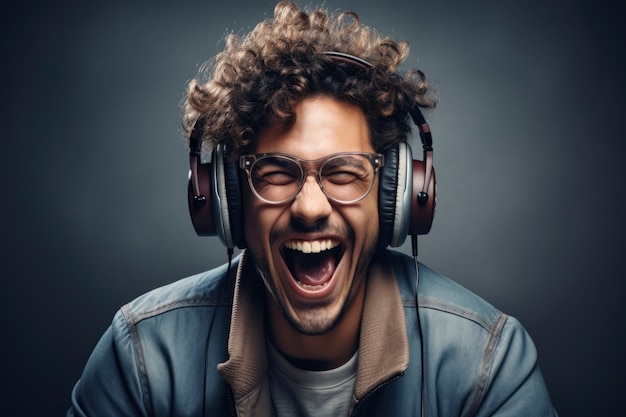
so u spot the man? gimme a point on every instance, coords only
(307, 117)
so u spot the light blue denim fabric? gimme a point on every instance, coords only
(154, 360)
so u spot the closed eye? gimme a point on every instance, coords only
(276, 171)
(343, 177)
(277, 178)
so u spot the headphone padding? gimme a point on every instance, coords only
(403, 193)
(220, 198)
(388, 182)
(235, 206)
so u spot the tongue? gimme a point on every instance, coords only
(314, 269)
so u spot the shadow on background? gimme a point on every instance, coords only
(529, 149)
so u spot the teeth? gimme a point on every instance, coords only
(312, 287)
(312, 246)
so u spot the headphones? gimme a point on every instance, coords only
(406, 190)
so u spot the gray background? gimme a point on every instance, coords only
(529, 149)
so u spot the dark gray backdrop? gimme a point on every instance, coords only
(528, 146)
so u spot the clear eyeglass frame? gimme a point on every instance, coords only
(249, 162)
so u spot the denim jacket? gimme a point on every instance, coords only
(197, 347)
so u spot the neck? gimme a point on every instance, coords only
(317, 352)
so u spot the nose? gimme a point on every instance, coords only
(311, 204)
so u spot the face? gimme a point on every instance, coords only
(313, 253)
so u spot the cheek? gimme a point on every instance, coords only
(373, 215)
(363, 220)
(252, 223)
(371, 227)
(259, 219)
(370, 210)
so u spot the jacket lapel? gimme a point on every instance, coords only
(246, 368)
(383, 346)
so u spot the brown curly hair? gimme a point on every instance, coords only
(258, 79)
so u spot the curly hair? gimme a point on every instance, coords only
(258, 79)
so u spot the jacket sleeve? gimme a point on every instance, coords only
(515, 386)
(111, 383)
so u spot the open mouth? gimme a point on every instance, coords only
(312, 263)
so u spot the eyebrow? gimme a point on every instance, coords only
(346, 160)
(278, 160)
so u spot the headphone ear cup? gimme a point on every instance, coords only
(202, 214)
(400, 213)
(422, 215)
(226, 201)
(221, 212)
(394, 196)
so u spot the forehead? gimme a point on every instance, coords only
(322, 126)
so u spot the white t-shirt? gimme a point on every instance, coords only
(298, 392)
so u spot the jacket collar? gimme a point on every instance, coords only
(246, 368)
(383, 346)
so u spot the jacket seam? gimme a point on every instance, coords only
(140, 362)
(174, 305)
(487, 364)
(465, 314)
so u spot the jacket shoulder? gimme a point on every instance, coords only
(484, 360)
(157, 345)
(199, 290)
(440, 293)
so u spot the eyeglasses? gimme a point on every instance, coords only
(345, 177)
